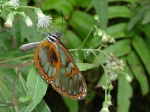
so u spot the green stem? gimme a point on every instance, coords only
(105, 72)
(86, 38)
(27, 7)
(13, 59)
(95, 50)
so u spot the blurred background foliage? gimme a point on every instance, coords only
(128, 21)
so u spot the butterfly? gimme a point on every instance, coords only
(57, 67)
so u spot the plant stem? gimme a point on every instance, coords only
(13, 59)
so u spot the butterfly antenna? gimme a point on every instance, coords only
(62, 21)
(47, 29)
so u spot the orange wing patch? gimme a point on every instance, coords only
(47, 61)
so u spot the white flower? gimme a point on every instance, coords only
(9, 20)
(8, 24)
(14, 3)
(28, 21)
(104, 109)
(43, 20)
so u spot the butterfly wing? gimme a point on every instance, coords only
(47, 61)
(56, 66)
(69, 80)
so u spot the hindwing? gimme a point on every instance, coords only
(69, 80)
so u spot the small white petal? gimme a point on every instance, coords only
(43, 20)
(15, 3)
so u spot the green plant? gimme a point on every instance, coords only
(132, 44)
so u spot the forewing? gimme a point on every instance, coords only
(47, 61)
(69, 80)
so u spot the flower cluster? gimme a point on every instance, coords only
(106, 39)
(115, 67)
(43, 20)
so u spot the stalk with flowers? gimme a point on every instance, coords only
(43, 20)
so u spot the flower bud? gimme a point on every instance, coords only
(28, 21)
(10, 18)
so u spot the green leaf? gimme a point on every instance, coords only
(101, 8)
(125, 92)
(130, 1)
(134, 20)
(36, 88)
(146, 19)
(73, 41)
(118, 30)
(7, 78)
(83, 3)
(138, 72)
(59, 5)
(119, 11)
(5, 104)
(81, 25)
(85, 66)
(71, 104)
(102, 81)
(42, 107)
(25, 99)
(146, 29)
(143, 51)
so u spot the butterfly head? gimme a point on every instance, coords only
(53, 37)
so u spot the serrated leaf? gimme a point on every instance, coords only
(85, 66)
(71, 104)
(143, 51)
(138, 72)
(36, 88)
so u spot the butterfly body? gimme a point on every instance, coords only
(57, 67)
